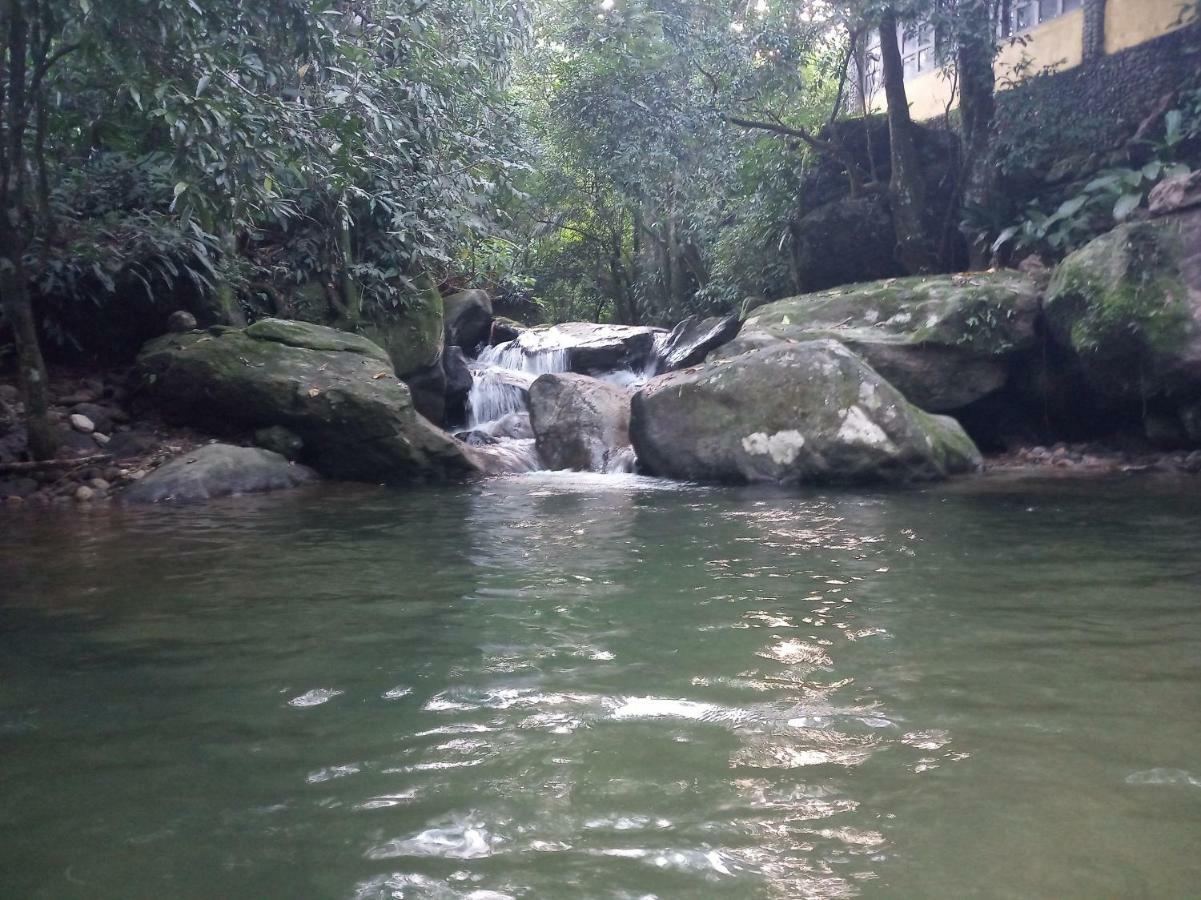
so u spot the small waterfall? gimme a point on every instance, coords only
(503, 376)
(623, 462)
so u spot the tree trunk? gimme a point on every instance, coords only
(907, 189)
(975, 49)
(1094, 29)
(31, 368)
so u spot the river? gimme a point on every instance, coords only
(607, 687)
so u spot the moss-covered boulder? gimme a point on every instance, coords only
(1128, 304)
(944, 341)
(411, 333)
(807, 412)
(338, 392)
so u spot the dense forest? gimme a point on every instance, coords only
(630, 161)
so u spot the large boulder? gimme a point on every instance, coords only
(944, 341)
(336, 391)
(849, 240)
(412, 336)
(694, 339)
(579, 423)
(218, 470)
(1128, 304)
(798, 413)
(468, 317)
(586, 347)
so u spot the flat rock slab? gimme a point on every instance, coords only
(591, 348)
(944, 341)
(218, 470)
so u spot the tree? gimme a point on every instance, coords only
(907, 186)
(370, 137)
(32, 47)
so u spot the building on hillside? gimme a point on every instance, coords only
(1037, 36)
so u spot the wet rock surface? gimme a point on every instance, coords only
(579, 422)
(218, 470)
(799, 413)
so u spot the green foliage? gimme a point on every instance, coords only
(356, 144)
(1110, 198)
(646, 203)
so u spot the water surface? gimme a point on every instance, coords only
(588, 686)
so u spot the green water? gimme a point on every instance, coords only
(561, 687)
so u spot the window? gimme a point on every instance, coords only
(1025, 14)
(917, 48)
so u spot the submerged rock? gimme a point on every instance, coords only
(693, 339)
(1129, 305)
(806, 412)
(579, 422)
(944, 341)
(218, 470)
(336, 391)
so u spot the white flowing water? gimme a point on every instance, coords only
(503, 375)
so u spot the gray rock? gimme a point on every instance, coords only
(694, 339)
(590, 348)
(84, 494)
(458, 383)
(81, 423)
(103, 416)
(1128, 304)
(798, 413)
(180, 321)
(336, 391)
(218, 470)
(944, 341)
(468, 317)
(849, 240)
(1175, 194)
(579, 422)
(279, 440)
(428, 389)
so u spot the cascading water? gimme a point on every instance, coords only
(503, 375)
(498, 404)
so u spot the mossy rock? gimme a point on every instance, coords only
(1128, 304)
(805, 412)
(944, 341)
(412, 334)
(308, 336)
(337, 392)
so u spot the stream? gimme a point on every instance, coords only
(607, 686)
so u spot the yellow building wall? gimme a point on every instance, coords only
(1058, 43)
(1129, 23)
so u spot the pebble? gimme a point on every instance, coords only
(82, 423)
(102, 440)
(100, 484)
(84, 494)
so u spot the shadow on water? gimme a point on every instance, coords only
(576, 685)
